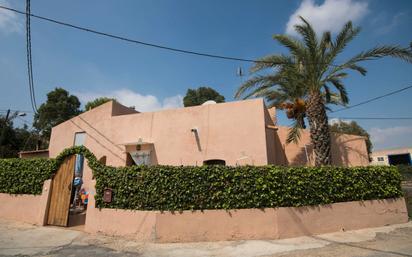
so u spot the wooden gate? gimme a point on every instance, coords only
(61, 187)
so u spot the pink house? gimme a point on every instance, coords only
(233, 133)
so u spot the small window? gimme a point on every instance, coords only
(79, 138)
(214, 162)
(380, 159)
(141, 157)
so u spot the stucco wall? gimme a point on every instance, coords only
(34, 154)
(215, 225)
(234, 132)
(229, 131)
(26, 208)
(246, 224)
(346, 150)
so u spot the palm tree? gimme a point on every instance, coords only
(310, 71)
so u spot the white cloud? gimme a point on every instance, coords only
(393, 23)
(329, 16)
(400, 136)
(9, 21)
(127, 97)
(333, 121)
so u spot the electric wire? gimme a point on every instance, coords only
(372, 99)
(29, 14)
(29, 58)
(372, 118)
(130, 40)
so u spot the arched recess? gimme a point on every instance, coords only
(103, 160)
(214, 162)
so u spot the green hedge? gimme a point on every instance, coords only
(213, 187)
(223, 187)
(24, 176)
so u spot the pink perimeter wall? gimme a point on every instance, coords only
(26, 208)
(245, 224)
(215, 225)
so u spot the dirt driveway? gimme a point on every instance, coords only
(26, 240)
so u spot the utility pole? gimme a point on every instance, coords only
(7, 116)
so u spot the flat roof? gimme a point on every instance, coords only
(34, 151)
(393, 151)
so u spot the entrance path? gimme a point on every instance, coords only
(27, 240)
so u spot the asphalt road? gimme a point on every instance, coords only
(18, 239)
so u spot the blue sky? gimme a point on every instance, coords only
(90, 66)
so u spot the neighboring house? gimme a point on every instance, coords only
(34, 154)
(392, 156)
(233, 133)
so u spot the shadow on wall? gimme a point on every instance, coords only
(305, 156)
(346, 150)
(281, 157)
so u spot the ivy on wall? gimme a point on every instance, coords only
(24, 176)
(223, 187)
(215, 187)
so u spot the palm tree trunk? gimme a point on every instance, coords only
(319, 129)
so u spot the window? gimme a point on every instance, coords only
(141, 157)
(380, 159)
(214, 162)
(79, 138)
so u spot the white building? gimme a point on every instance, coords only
(392, 156)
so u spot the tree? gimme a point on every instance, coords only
(200, 95)
(8, 142)
(311, 60)
(29, 139)
(352, 128)
(59, 107)
(13, 140)
(97, 102)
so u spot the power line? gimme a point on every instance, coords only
(372, 99)
(29, 59)
(122, 38)
(372, 118)
(15, 110)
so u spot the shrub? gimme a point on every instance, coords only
(24, 176)
(223, 187)
(211, 187)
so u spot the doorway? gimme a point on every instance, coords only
(68, 200)
(61, 190)
(400, 159)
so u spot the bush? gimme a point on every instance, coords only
(24, 176)
(211, 187)
(223, 187)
